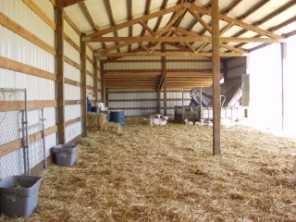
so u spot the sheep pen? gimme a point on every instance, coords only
(168, 173)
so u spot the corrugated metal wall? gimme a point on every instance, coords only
(28, 60)
(139, 102)
(16, 48)
(72, 92)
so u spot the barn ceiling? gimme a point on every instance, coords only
(164, 28)
(138, 27)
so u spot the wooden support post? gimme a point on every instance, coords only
(216, 79)
(103, 93)
(163, 67)
(60, 75)
(95, 68)
(158, 100)
(83, 86)
(283, 57)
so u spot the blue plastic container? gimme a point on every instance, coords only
(117, 116)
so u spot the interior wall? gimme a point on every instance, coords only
(27, 61)
(145, 101)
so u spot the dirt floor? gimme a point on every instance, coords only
(168, 173)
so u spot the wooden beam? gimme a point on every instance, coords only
(83, 86)
(137, 20)
(60, 75)
(226, 28)
(200, 54)
(163, 6)
(111, 18)
(147, 12)
(96, 79)
(201, 21)
(6, 63)
(237, 22)
(130, 17)
(177, 39)
(35, 8)
(66, 3)
(146, 27)
(88, 16)
(71, 23)
(26, 34)
(253, 9)
(216, 79)
(231, 7)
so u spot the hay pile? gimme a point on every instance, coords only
(96, 121)
(112, 127)
(168, 173)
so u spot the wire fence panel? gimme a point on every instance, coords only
(12, 132)
(36, 148)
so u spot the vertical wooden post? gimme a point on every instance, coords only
(216, 79)
(95, 68)
(163, 67)
(83, 85)
(60, 74)
(283, 57)
(158, 100)
(103, 93)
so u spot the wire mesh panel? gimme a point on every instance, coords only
(36, 146)
(13, 137)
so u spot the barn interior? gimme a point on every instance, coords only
(180, 110)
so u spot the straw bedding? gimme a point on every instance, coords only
(168, 173)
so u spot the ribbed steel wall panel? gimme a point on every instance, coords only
(17, 48)
(72, 72)
(46, 6)
(72, 92)
(37, 88)
(72, 111)
(50, 114)
(89, 66)
(188, 65)
(24, 16)
(89, 80)
(135, 66)
(69, 31)
(73, 131)
(71, 52)
(89, 52)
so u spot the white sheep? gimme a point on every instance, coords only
(159, 120)
(187, 122)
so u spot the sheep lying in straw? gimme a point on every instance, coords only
(157, 120)
(187, 122)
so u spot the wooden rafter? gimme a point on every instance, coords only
(147, 28)
(66, 3)
(111, 18)
(147, 12)
(90, 19)
(275, 28)
(200, 20)
(163, 6)
(268, 17)
(253, 9)
(237, 22)
(231, 7)
(137, 20)
(130, 17)
(169, 53)
(177, 39)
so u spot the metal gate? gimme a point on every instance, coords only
(20, 142)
